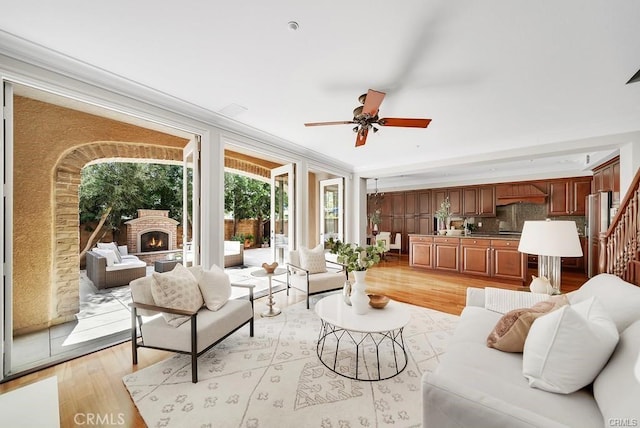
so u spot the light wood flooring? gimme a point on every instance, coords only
(93, 383)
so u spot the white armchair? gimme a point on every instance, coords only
(397, 244)
(304, 277)
(384, 237)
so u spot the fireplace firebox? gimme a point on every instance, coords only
(154, 241)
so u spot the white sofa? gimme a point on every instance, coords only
(478, 386)
(233, 253)
(105, 270)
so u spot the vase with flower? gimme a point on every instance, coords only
(357, 259)
(442, 214)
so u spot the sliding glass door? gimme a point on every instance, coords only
(282, 211)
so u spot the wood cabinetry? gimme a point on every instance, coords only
(606, 178)
(421, 251)
(567, 197)
(507, 261)
(498, 258)
(479, 201)
(455, 199)
(475, 256)
(447, 253)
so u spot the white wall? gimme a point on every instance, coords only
(629, 164)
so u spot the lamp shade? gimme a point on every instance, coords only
(550, 238)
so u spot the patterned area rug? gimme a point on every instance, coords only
(275, 379)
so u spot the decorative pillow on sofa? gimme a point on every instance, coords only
(215, 287)
(113, 247)
(502, 301)
(176, 289)
(110, 255)
(313, 260)
(512, 329)
(567, 348)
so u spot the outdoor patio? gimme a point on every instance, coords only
(105, 319)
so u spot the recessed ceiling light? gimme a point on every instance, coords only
(293, 25)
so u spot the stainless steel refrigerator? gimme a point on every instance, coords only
(598, 217)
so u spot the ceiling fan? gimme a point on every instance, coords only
(365, 117)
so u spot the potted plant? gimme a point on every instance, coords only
(356, 259)
(248, 240)
(442, 214)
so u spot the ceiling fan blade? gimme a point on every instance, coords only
(340, 122)
(361, 138)
(372, 102)
(400, 121)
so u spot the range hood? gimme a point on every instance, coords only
(515, 193)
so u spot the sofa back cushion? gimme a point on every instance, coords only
(141, 293)
(177, 289)
(313, 259)
(567, 348)
(215, 287)
(617, 387)
(620, 299)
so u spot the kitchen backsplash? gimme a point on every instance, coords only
(512, 217)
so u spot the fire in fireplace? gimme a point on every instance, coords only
(154, 241)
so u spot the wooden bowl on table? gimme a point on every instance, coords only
(378, 301)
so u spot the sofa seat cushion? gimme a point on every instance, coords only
(475, 385)
(617, 387)
(127, 263)
(211, 327)
(318, 282)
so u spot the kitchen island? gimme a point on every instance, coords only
(494, 256)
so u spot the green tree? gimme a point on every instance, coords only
(246, 198)
(127, 187)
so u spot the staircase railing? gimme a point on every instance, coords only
(621, 240)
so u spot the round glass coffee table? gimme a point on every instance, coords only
(363, 347)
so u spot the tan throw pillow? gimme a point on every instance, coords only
(215, 287)
(313, 260)
(177, 289)
(512, 329)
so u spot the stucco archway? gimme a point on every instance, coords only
(66, 261)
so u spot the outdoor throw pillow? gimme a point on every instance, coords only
(215, 287)
(176, 289)
(567, 348)
(110, 255)
(512, 329)
(313, 260)
(113, 247)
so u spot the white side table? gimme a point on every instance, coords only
(261, 273)
(362, 339)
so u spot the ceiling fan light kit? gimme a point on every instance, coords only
(366, 115)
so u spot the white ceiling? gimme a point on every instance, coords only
(515, 89)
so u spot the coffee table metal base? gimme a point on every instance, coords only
(363, 343)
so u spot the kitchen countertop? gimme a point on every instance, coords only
(473, 235)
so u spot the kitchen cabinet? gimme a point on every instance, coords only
(447, 253)
(479, 201)
(507, 261)
(567, 197)
(455, 199)
(421, 251)
(475, 256)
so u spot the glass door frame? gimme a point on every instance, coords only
(288, 171)
(191, 160)
(339, 182)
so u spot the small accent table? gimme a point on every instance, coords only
(347, 339)
(164, 265)
(261, 273)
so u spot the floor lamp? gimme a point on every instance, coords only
(550, 240)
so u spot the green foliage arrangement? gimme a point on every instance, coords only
(355, 257)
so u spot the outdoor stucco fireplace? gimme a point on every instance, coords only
(152, 235)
